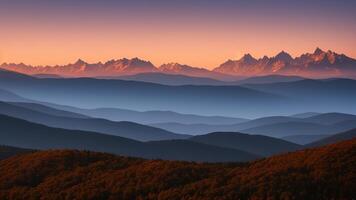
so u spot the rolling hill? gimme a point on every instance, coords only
(301, 128)
(248, 100)
(277, 126)
(11, 97)
(257, 144)
(270, 79)
(148, 117)
(304, 139)
(24, 134)
(115, 114)
(347, 135)
(48, 110)
(305, 115)
(321, 173)
(170, 79)
(327, 95)
(141, 96)
(50, 118)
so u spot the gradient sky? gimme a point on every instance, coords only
(201, 33)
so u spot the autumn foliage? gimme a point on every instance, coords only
(321, 173)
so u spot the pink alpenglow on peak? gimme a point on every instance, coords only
(319, 64)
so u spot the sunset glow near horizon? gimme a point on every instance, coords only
(198, 33)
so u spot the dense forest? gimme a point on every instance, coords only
(327, 172)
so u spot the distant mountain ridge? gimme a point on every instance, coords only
(122, 66)
(24, 134)
(317, 64)
(61, 119)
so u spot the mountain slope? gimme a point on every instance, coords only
(329, 95)
(280, 126)
(330, 118)
(176, 68)
(123, 129)
(301, 128)
(201, 128)
(48, 110)
(20, 133)
(305, 115)
(11, 97)
(148, 117)
(115, 114)
(320, 173)
(170, 79)
(257, 144)
(304, 139)
(270, 79)
(347, 135)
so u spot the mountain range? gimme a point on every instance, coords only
(276, 126)
(141, 96)
(114, 114)
(319, 64)
(21, 133)
(247, 100)
(68, 120)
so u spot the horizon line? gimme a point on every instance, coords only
(171, 62)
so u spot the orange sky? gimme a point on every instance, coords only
(198, 37)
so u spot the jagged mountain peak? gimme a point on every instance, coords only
(318, 64)
(318, 51)
(283, 56)
(80, 62)
(248, 58)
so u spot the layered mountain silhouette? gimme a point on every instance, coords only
(147, 117)
(46, 110)
(178, 79)
(300, 128)
(81, 68)
(115, 114)
(176, 68)
(47, 76)
(21, 133)
(132, 95)
(170, 79)
(257, 144)
(317, 64)
(12, 97)
(334, 95)
(276, 126)
(304, 139)
(305, 114)
(63, 119)
(269, 79)
(347, 135)
(319, 173)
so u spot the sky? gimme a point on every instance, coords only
(201, 33)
